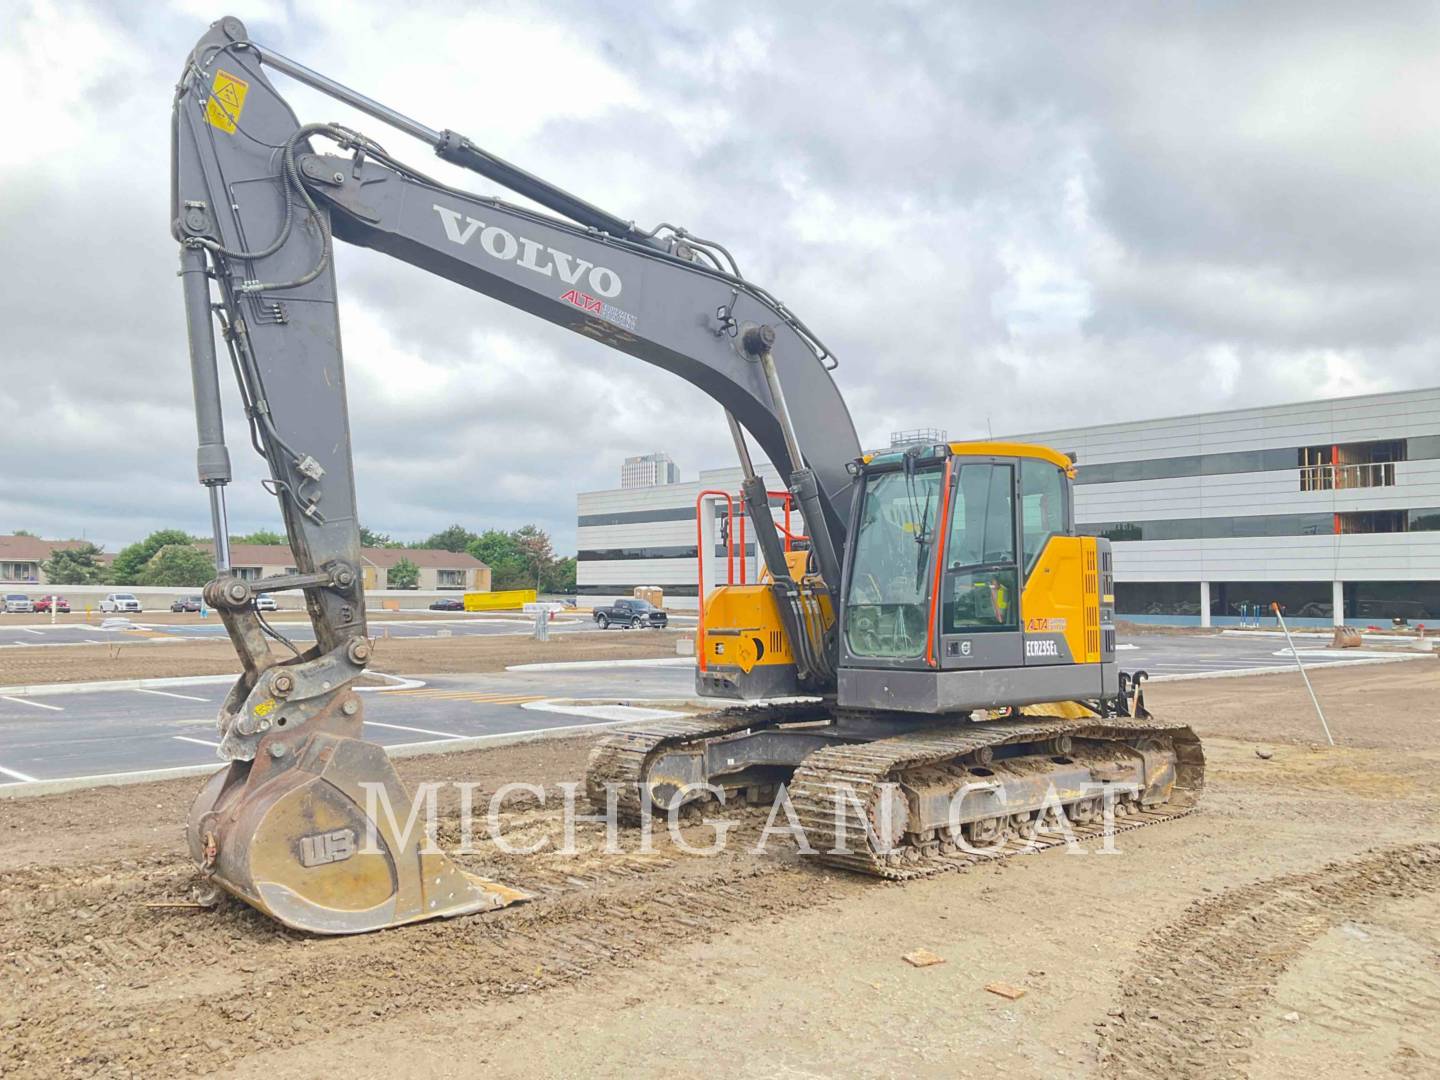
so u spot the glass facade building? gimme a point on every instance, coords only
(1329, 508)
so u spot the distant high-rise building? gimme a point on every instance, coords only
(649, 470)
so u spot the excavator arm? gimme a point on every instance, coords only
(258, 199)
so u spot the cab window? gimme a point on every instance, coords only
(981, 579)
(1042, 506)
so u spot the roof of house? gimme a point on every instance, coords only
(33, 548)
(425, 558)
(381, 558)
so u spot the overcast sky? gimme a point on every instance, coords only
(1009, 217)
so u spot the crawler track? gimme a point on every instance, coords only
(619, 759)
(836, 789)
(833, 788)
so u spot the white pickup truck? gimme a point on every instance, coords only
(120, 601)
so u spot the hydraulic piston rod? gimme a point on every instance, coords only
(212, 456)
(458, 150)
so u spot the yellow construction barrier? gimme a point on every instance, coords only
(506, 600)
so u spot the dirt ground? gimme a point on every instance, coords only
(1289, 927)
(410, 656)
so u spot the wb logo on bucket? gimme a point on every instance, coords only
(331, 847)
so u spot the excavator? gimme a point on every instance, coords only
(934, 669)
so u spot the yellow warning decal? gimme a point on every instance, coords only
(264, 708)
(227, 100)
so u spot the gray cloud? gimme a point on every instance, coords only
(1003, 217)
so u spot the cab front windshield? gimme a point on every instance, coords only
(886, 609)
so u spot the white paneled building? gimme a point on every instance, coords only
(1329, 508)
(652, 536)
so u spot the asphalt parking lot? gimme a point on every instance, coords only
(59, 736)
(33, 635)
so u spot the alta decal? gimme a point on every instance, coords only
(609, 312)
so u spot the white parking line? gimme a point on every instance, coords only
(417, 730)
(33, 704)
(29, 631)
(17, 775)
(167, 693)
(197, 742)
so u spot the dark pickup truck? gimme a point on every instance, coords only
(633, 613)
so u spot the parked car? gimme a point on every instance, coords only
(266, 603)
(120, 601)
(186, 603)
(42, 603)
(631, 613)
(17, 602)
(448, 603)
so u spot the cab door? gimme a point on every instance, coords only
(1053, 600)
(979, 602)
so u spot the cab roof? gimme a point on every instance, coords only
(986, 448)
(990, 448)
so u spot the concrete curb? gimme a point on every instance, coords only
(52, 689)
(1378, 639)
(36, 788)
(587, 665)
(1283, 669)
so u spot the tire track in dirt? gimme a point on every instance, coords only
(1193, 1003)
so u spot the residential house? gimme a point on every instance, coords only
(21, 556)
(438, 569)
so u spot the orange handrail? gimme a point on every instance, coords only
(701, 555)
(940, 532)
(790, 537)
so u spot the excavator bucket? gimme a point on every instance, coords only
(292, 834)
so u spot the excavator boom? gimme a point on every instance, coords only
(258, 198)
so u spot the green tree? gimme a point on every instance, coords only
(178, 564)
(131, 561)
(456, 538)
(560, 577)
(260, 536)
(24, 532)
(74, 566)
(499, 551)
(535, 549)
(377, 539)
(403, 575)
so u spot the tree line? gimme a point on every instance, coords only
(522, 559)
